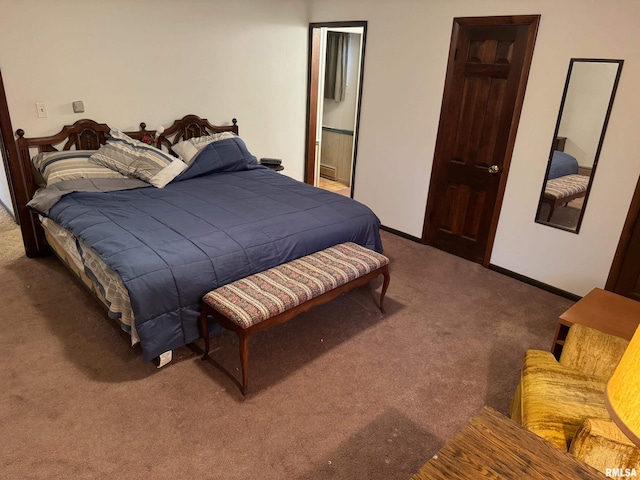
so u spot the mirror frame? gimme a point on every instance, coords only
(614, 88)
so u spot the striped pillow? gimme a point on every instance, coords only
(188, 149)
(70, 165)
(136, 159)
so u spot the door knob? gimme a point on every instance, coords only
(494, 169)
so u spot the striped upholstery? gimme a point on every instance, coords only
(136, 159)
(70, 165)
(253, 299)
(566, 186)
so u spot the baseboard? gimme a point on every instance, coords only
(535, 283)
(504, 271)
(401, 234)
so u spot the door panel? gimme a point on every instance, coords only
(628, 282)
(624, 277)
(486, 75)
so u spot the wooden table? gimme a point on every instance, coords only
(493, 446)
(600, 309)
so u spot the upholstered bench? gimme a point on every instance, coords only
(564, 189)
(275, 296)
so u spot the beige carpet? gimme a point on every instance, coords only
(341, 392)
(11, 246)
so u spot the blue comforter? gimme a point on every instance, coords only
(224, 218)
(562, 164)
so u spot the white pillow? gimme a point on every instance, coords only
(187, 149)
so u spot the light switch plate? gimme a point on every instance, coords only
(41, 109)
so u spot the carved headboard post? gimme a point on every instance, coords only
(191, 126)
(27, 173)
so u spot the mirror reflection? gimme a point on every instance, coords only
(582, 121)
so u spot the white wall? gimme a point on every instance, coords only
(157, 60)
(405, 61)
(585, 109)
(153, 61)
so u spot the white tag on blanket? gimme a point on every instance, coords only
(165, 358)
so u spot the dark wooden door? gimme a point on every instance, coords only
(624, 277)
(486, 77)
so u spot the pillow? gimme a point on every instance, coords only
(136, 159)
(187, 149)
(229, 155)
(70, 165)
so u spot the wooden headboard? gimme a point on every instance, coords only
(89, 135)
(191, 126)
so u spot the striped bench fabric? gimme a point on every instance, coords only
(564, 189)
(275, 296)
(567, 186)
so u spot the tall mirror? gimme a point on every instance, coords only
(582, 122)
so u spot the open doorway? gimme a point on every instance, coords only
(336, 60)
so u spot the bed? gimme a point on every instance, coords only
(148, 247)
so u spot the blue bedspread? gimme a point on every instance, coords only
(562, 164)
(172, 245)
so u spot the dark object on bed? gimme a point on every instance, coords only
(223, 218)
(272, 163)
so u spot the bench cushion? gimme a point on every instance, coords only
(563, 187)
(253, 299)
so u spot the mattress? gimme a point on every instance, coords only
(94, 273)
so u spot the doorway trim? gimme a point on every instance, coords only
(14, 172)
(313, 72)
(10, 150)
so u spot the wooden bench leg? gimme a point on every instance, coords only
(203, 326)
(385, 285)
(244, 359)
(552, 207)
(243, 339)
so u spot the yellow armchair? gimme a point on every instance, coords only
(563, 401)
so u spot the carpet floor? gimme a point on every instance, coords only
(11, 246)
(341, 392)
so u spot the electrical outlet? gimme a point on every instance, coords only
(78, 106)
(41, 108)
